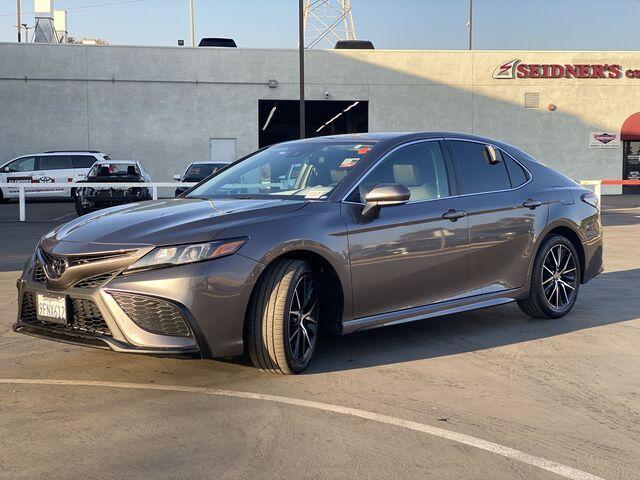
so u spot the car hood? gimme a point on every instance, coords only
(168, 222)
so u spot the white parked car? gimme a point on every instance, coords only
(53, 167)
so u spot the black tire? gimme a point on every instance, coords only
(2, 199)
(538, 304)
(271, 320)
(79, 209)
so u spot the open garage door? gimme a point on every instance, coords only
(279, 119)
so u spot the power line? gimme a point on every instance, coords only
(94, 5)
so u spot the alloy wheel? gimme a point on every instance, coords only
(303, 319)
(559, 277)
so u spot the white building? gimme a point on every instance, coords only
(168, 106)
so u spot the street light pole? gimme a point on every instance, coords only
(470, 24)
(19, 24)
(191, 28)
(301, 57)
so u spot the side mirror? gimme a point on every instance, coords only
(385, 195)
(491, 155)
(6, 170)
(177, 177)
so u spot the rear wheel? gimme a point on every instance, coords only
(282, 325)
(555, 280)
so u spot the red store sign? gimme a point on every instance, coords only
(516, 69)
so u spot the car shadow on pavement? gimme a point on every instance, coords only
(606, 300)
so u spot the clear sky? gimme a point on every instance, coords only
(391, 24)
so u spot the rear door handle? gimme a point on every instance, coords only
(532, 204)
(454, 215)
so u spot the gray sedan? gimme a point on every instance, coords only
(335, 234)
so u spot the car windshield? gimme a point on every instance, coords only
(113, 169)
(300, 169)
(200, 171)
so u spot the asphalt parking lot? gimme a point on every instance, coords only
(490, 394)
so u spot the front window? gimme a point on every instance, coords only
(420, 167)
(300, 169)
(114, 169)
(26, 164)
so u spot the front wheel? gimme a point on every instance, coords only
(555, 280)
(282, 324)
(80, 210)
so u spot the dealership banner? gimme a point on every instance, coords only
(604, 140)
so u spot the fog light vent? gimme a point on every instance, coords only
(152, 314)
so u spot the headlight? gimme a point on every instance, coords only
(183, 254)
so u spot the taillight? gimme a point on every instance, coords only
(591, 199)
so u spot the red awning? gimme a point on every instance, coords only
(631, 128)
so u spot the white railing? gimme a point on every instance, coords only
(57, 186)
(597, 188)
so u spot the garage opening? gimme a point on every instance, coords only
(279, 120)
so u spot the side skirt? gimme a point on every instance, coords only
(429, 311)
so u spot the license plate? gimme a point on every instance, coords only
(52, 309)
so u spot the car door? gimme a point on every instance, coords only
(505, 212)
(20, 170)
(56, 170)
(408, 255)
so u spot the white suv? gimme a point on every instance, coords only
(57, 167)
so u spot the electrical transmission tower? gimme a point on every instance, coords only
(328, 21)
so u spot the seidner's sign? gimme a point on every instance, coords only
(517, 69)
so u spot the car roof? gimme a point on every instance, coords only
(397, 138)
(209, 162)
(109, 162)
(384, 136)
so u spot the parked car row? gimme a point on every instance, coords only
(63, 167)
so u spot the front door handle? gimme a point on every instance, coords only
(454, 215)
(532, 204)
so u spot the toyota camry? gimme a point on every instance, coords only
(327, 235)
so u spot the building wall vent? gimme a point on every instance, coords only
(532, 100)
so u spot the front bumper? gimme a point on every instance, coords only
(193, 309)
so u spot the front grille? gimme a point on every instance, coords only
(95, 281)
(84, 316)
(153, 315)
(85, 259)
(38, 274)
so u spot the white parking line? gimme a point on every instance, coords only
(510, 453)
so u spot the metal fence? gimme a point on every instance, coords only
(56, 186)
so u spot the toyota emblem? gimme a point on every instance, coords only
(58, 266)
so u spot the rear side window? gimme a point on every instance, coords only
(478, 174)
(82, 161)
(54, 162)
(516, 172)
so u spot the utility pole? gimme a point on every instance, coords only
(470, 24)
(301, 56)
(191, 28)
(19, 24)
